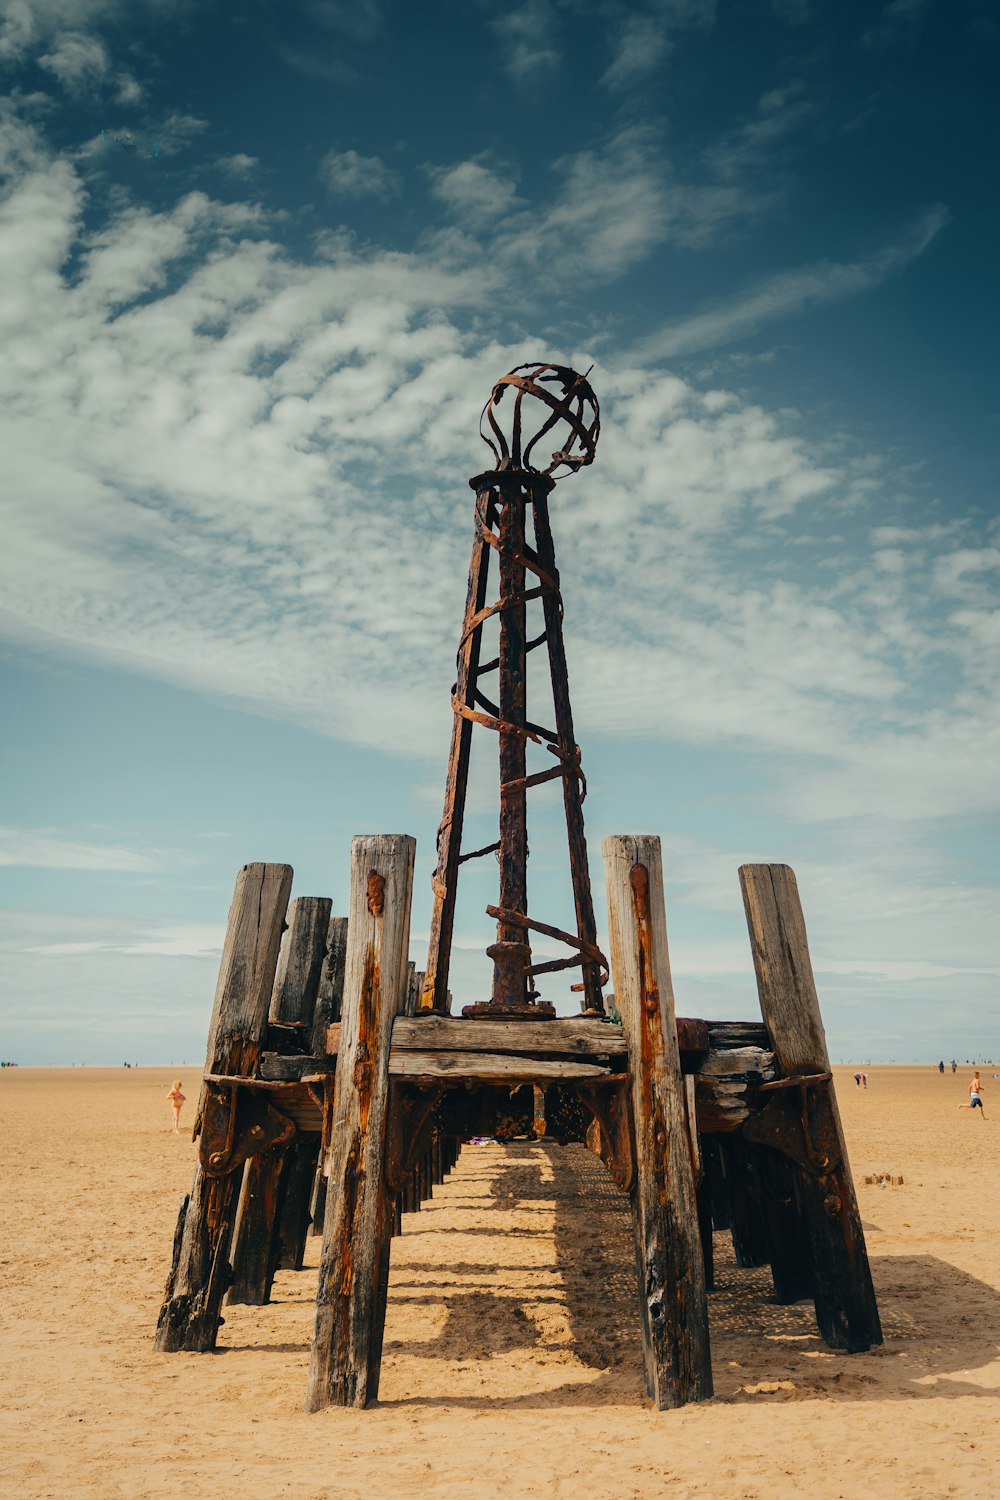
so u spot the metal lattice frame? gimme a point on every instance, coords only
(505, 497)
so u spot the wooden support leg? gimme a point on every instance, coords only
(297, 1185)
(354, 1266)
(711, 1155)
(789, 1251)
(846, 1310)
(705, 1231)
(669, 1264)
(190, 1317)
(746, 1211)
(255, 1240)
(317, 1203)
(199, 1275)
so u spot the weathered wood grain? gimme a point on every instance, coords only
(488, 1065)
(354, 1264)
(293, 1219)
(300, 962)
(846, 1310)
(330, 992)
(191, 1313)
(277, 1067)
(669, 1262)
(255, 1236)
(572, 1037)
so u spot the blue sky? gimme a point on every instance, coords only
(261, 265)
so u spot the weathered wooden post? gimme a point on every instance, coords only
(354, 1265)
(190, 1316)
(272, 1195)
(328, 1006)
(802, 1111)
(669, 1263)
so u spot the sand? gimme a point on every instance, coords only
(512, 1363)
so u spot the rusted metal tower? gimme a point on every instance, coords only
(541, 401)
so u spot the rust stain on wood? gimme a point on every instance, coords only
(376, 893)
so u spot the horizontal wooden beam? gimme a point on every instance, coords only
(576, 1036)
(489, 1065)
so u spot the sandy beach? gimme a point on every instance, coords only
(512, 1363)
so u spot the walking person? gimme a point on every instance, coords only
(177, 1100)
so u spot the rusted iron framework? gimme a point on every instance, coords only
(541, 401)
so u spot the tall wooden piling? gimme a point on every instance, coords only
(846, 1310)
(354, 1265)
(669, 1264)
(190, 1316)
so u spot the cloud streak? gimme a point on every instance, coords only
(791, 292)
(47, 850)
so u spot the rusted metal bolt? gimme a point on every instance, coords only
(832, 1204)
(256, 1131)
(216, 1159)
(661, 1137)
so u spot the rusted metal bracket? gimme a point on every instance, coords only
(236, 1123)
(798, 1121)
(610, 1102)
(411, 1107)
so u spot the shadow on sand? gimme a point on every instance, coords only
(940, 1324)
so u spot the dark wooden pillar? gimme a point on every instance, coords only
(354, 1266)
(846, 1310)
(669, 1264)
(199, 1275)
(269, 1193)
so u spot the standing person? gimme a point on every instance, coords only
(176, 1099)
(940, 1067)
(975, 1095)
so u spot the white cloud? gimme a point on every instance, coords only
(960, 573)
(347, 174)
(192, 940)
(792, 292)
(45, 849)
(78, 60)
(527, 39)
(28, 25)
(475, 191)
(191, 360)
(645, 36)
(897, 21)
(239, 165)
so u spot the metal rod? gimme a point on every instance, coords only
(511, 953)
(586, 925)
(449, 840)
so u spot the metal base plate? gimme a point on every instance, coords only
(487, 1011)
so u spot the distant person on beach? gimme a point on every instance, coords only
(940, 1067)
(975, 1095)
(857, 1079)
(176, 1099)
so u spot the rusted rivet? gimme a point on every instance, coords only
(832, 1204)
